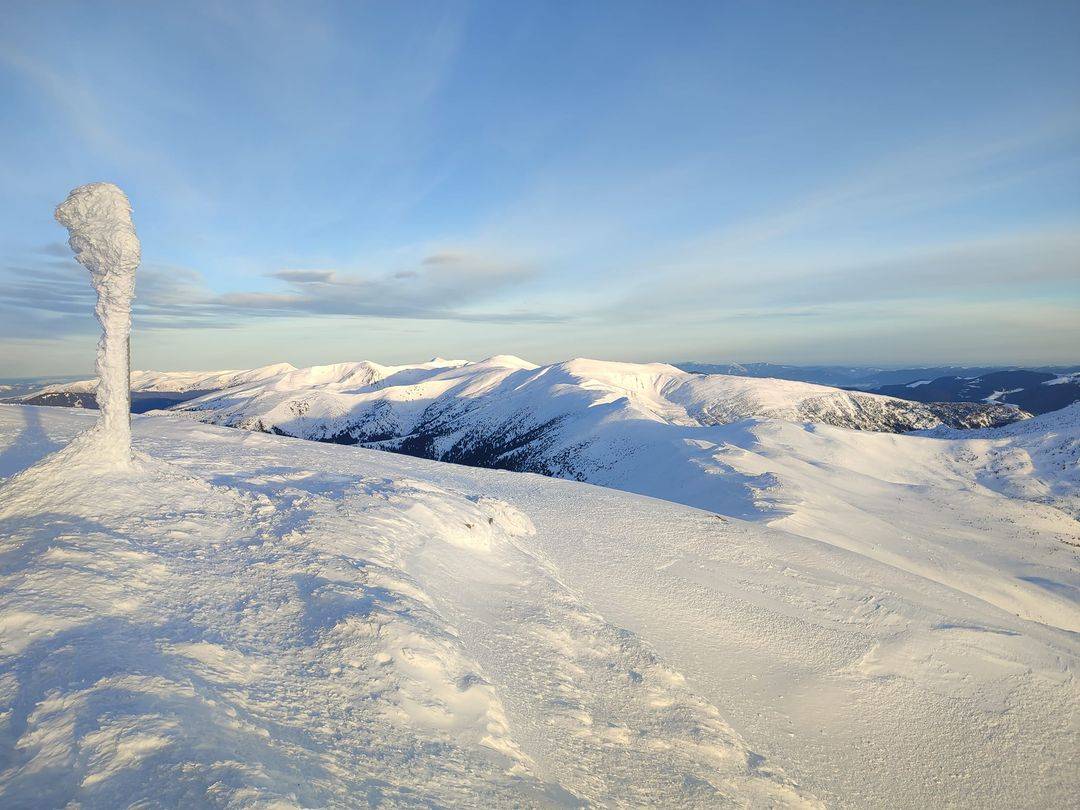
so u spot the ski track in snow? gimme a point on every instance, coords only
(283, 634)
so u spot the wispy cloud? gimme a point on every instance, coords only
(304, 276)
(1016, 266)
(927, 177)
(45, 297)
(92, 119)
(448, 285)
(53, 298)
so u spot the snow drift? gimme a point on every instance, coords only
(253, 619)
(246, 633)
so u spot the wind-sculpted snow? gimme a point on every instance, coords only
(642, 428)
(228, 628)
(1038, 459)
(244, 619)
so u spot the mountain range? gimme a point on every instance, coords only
(648, 428)
(839, 376)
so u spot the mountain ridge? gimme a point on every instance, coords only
(609, 423)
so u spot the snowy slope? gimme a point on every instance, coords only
(636, 427)
(248, 618)
(230, 630)
(1038, 459)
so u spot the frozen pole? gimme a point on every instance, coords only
(98, 219)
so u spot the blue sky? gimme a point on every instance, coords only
(885, 183)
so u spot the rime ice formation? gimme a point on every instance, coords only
(98, 219)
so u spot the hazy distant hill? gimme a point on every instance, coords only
(1034, 391)
(863, 377)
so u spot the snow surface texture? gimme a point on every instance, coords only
(102, 236)
(229, 630)
(650, 429)
(250, 619)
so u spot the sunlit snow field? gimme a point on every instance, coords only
(247, 618)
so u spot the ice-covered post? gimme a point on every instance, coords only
(98, 219)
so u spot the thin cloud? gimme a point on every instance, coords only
(304, 276)
(1030, 262)
(45, 297)
(441, 258)
(456, 286)
(924, 178)
(92, 118)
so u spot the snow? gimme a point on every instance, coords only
(878, 620)
(178, 381)
(102, 236)
(645, 428)
(233, 627)
(1036, 460)
(335, 398)
(997, 395)
(1072, 378)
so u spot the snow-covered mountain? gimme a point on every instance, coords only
(14, 387)
(644, 428)
(179, 381)
(245, 619)
(153, 389)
